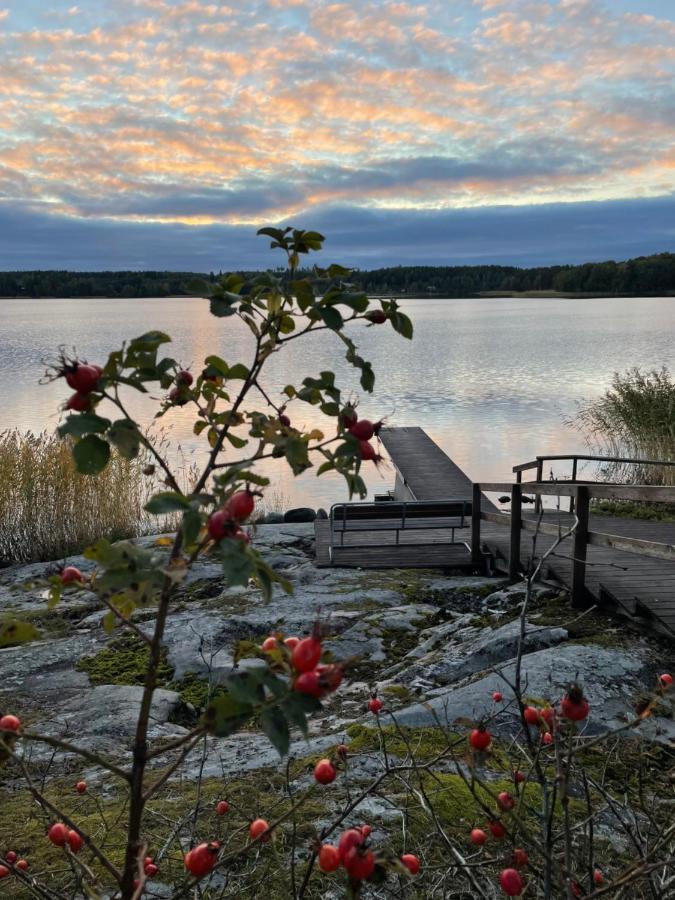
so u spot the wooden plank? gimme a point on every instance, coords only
(514, 543)
(580, 548)
(632, 545)
(425, 469)
(523, 467)
(476, 515)
(644, 492)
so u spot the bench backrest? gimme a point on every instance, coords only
(392, 509)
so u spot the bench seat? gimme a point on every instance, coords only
(396, 516)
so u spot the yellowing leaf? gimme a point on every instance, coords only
(164, 542)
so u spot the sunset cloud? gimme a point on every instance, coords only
(198, 114)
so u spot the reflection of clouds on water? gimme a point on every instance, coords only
(491, 380)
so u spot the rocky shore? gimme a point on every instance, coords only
(431, 645)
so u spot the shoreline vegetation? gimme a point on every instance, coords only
(644, 276)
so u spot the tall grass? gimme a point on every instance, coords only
(634, 418)
(49, 511)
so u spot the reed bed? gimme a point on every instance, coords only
(49, 511)
(634, 418)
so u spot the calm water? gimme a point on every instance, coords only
(491, 380)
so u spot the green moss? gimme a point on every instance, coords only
(194, 689)
(123, 661)
(53, 623)
(426, 743)
(626, 509)
(593, 627)
(399, 691)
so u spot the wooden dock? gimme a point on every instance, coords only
(624, 564)
(628, 583)
(422, 472)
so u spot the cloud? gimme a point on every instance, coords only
(366, 238)
(197, 112)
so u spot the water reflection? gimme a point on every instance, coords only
(491, 380)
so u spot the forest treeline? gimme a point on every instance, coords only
(643, 275)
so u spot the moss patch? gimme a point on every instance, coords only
(426, 743)
(124, 661)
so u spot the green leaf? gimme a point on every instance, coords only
(273, 722)
(220, 366)
(149, 341)
(236, 441)
(198, 287)
(246, 687)
(297, 706)
(275, 233)
(224, 304)
(367, 377)
(402, 324)
(331, 317)
(358, 302)
(167, 502)
(239, 372)
(336, 271)
(225, 715)
(238, 565)
(91, 455)
(85, 423)
(296, 454)
(14, 633)
(109, 622)
(303, 291)
(192, 524)
(125, 436)
(273, 683)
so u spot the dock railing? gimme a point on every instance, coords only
(582, 537)
(575, 458)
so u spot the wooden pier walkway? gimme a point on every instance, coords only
(624, 564)
(628, 583)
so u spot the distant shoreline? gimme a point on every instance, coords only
(482, 295)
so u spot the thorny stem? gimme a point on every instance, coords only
(140, 748)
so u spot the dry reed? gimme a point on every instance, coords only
(48, 510)
(634, 418)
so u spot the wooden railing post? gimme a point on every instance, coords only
(516, 522)
(579, 594)
(476, 555)
(575, 460)
(538, 500)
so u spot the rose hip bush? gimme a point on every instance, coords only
(519, 803)
(238, 418)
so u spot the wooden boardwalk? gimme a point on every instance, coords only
(423, 470)
(633, 584)
(630, 583)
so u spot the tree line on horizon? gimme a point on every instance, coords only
(643, 275)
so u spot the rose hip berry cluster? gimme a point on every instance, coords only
(354, 854)
(180, 393)
(61, 836)
(83, 379)
(12, 858)
(363, 430)
(312, 677)
(225, 523)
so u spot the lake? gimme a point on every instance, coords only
(491, 380)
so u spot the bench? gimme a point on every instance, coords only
(398, 516)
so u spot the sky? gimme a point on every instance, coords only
(162, 133)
